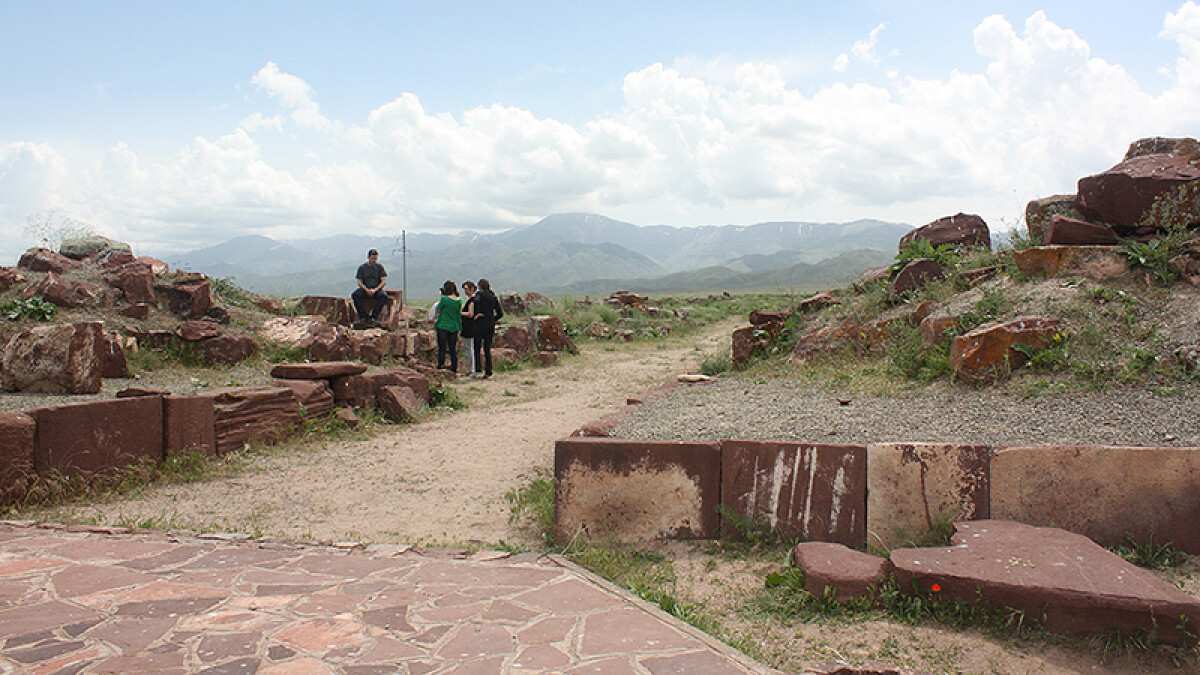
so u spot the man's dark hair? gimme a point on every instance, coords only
(372, 252)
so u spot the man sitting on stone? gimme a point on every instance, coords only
(372, 277)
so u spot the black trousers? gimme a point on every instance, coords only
(447, 343)
(483, 347)
(381, 301)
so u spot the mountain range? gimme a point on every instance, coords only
(566, 253)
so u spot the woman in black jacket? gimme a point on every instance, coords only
(487, 313)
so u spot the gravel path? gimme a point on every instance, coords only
(787, 410)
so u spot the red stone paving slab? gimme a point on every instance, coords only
(74, 602)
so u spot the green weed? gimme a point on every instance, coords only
(36, 308)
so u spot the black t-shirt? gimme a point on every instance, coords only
(468, 323)
(370, 274)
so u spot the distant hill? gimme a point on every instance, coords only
(831, 272)
(561, 251)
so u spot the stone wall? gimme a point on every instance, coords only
(881, 495)
(97, 439)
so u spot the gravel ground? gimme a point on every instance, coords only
(787, 410)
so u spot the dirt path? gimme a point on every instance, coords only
(441, 481)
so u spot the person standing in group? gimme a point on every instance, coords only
(468, 327)
(447, 324)
(487, 313)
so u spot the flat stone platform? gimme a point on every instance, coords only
(107, 600)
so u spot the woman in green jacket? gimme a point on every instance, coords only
(448, 323)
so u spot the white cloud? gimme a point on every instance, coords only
(863, 50)
(721, 142)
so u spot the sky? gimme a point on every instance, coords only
(173, 126)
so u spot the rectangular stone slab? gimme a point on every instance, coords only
(188, 425)
(813, 491)
(631, 491)
(98, 436)
(1103, 492)
(914, 487)
(17, 432)
(1063, 580)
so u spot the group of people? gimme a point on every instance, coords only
(473, 315)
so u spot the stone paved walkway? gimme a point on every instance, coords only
(104, 600)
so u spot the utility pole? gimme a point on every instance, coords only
(403, 251)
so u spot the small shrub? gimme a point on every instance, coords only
(442, 396)
(1151, 556)
(1154, 255)
(946, 255)
(911, 357)
(716, 364)
(534, 504)
(36, 308)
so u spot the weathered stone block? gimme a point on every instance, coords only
(188, 299)
(242, 414)
(17, 437)
(1107, 493)
(914, 487)
(64, 358)
(360, 390)
(816, 492)
(314, 396)
(1093, 262)
(1066, 581)
(98, 436)
(188, 423)
(631, 491)
(989, 352)
(335, 310)
(399, 403)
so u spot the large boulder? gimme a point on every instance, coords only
(44, 260)
(513, 304)
(63, 358)
(1039, 212)
(988, 353)
(1065, 580)
(963, 230)
(1143, 194)
(195, 331)
(515, 338)
(818, 302)
(60, 291)
(227, 348)
(915, 275)
(1185, 148)
(82, 247)
(134, 279)
(189, 298)
(549, 334)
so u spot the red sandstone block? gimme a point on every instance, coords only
(1107, 493)
(360, 390)
(912, 488)
(17, 436)
(188, 425)
(98, 436)
(816, 492)
(622, 490)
